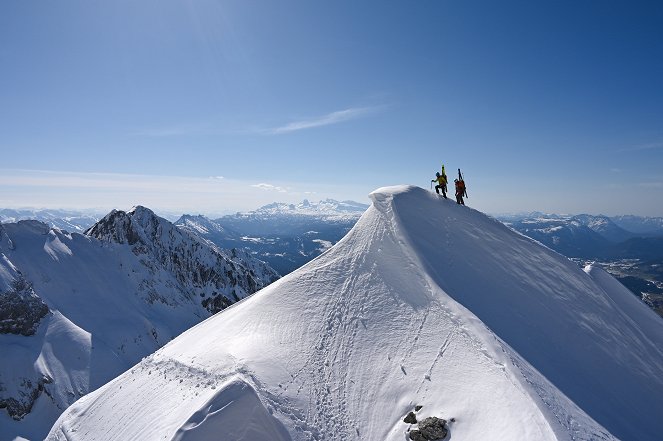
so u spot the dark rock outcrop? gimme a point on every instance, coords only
(433, 428)
(428, 429)
(21, 310)
(21, 405)
(411, 418)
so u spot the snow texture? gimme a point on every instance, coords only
(424, 303)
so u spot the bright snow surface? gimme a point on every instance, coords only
(423, 303)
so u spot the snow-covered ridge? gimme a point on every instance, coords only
(423, 303)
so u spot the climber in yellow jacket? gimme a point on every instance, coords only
(441, 180)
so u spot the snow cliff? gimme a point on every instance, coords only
(423, 303)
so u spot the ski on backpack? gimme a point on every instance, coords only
(460, 178)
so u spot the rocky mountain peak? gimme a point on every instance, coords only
(220, 278)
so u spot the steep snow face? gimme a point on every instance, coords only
(423, 303)
(113, 300)
(607, 359)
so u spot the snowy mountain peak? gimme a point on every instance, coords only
(327, 207)
(200, 224)
(223, 276)
(423, 303)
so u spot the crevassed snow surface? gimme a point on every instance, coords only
(423, 303)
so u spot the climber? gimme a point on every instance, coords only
(460, 191)
(441, 180)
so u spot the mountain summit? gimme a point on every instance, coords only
(424, 303)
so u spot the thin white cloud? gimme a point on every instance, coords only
(269, 187)
(325, 120)
(640, 147)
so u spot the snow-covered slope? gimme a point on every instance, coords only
(77, 310)
(423, 303)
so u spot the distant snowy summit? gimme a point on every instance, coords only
(285, 235)
(78, 309)
(640, 224)
(593, 236)
(327, 207)
(281, 218)
(425, 307)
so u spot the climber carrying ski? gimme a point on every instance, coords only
(460, 189)
(441, 180)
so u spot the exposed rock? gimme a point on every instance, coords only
(433, 428)
(416, 435)
(199, 266)
(411, 418)
(21, 310)
(417, 408)
(28, 391)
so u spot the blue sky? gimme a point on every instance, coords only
(217, 106)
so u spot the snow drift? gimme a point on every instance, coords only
(423, 303)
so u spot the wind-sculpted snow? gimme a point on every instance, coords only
(423, 303)
(234, 413)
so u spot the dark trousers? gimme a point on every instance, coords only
(459, 199)
(444, 190)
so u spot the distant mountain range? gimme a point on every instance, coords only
(629, 247)
(284, 235)
(74, 221)
(78, 309)
(594, 237)
(287, 236)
